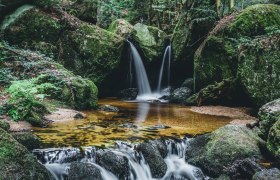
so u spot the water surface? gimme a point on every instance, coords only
(135, 122)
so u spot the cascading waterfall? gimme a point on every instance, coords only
(167, 52)
(58, 161)
(141, 75)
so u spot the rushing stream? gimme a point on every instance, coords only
(58, 161)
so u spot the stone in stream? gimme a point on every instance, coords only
(108, 108)
(216, 151)
(267, 174)
(84, 171)
(128, 94)
(180, 95)
(154, 153)
(114, 163)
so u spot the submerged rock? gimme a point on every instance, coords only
(84, 171)
(152, 152)
(267, 174)
(217, 151)
(108, 108)
(180, 95)
(114, 163)
(17, 163)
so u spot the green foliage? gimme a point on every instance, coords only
(46, 3)
(25, 96)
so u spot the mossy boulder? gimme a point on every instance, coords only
(268, 116)
(191, 30)
(91, 52)
(121, 27)
(273, 141)
(34, 29)
(4, 125)
(218, 150)
(259, 68)
(150, 39)
(83, 48)
(17, 163)
(27, 139)
(217, 58)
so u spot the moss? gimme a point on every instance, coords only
(222, 147)
(91, 52)
(4, 125)
(273, 142)
(150, 39)
(16, 162)
(259, 69)
(27, 139)
(254, 20)
(32, 28)
(217, 58)
(121, 27)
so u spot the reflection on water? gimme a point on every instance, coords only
(134, 122)
(142, 111)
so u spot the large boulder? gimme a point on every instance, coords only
(150, 39)
(217, 57)
(83, 48)
(114, 163)
(191, 30)
(17, 163)
(84, 171)
(268, 116)
(218, 150)
(121, 27)
(154, 153)
(273, 141)
(27, 139)
(259, 68)
(180, 95)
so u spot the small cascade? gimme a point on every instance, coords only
(58, 161)
(167, 53)
(141, 75)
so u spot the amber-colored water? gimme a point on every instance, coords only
(135, 122)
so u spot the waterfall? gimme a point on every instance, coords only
(58, 161)
(141, 75)
(167, 52)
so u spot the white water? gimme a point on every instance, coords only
(141, 75)
(58, 162)
(167, 52)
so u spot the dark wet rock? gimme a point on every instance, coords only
(189, 83)
(17, 163)
(128, 94)
(4, 125)
(79, 116)
(217, 151)
(29, 140)
(267, 174)
(108, 108)
(153, 157)
(84, 171)
(268, 116)
(180, 95)
(116, 164)
(192, 100)
(243, 169)
(226, 92)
